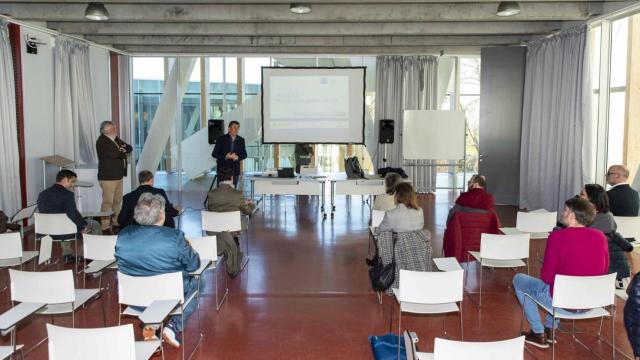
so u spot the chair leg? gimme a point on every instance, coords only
(399, 327)
(613, 331)
(553, 336)
(461, 323)
(480, 300)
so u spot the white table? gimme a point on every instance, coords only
(343, 186)
(266, 185)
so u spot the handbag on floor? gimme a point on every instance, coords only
(382, 276)
(385, 347)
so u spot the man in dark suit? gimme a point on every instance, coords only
(623, 199)
(129, 202)
(112, 167)
(59, 199)
(230, 150)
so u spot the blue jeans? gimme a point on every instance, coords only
(538, 290)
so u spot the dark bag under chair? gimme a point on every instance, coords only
(382, 276)
(352, 168)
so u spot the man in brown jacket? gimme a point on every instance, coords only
(226, 198)
(112, 167)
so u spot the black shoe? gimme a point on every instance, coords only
(538, 340)
(549, 334)
(69, 259)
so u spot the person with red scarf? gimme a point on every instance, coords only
(475, 199)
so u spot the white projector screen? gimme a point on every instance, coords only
(433, 135)
(313, 105)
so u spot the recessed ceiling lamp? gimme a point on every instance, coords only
(96, 11)
(300, 8)
(508, 8)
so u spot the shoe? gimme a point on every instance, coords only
(549, 334)
(171, 336)
(538, 340)
(149, 332)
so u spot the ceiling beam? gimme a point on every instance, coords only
(315, 2)
(533, 11)
(275, 41)
(322, 29)
(249, 50)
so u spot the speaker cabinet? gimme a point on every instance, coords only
(216, 129)
(386, 131)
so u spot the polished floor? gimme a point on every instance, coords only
(305, 292)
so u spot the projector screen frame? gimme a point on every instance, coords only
(364, 94)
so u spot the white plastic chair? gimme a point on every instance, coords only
(56, 224)
(207, 249)
(628, 226)
(589, 294)
(230, 221)
(143, 291)
(55, 289)
(108, 343)
(376, 219)
(500, 251)
(11, 253)
(444, 349)
(101, 250)
(539, 223)
(23, 214)
(430, 293)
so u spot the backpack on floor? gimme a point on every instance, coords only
(385, 347)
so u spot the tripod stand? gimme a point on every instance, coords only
(215, 179)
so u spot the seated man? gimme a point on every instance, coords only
(623, 199)
(59, 199)
(151, 249)
(129, 201)
(576, 251)
(226, 198)
(475, 199)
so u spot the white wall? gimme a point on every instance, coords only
(38, 91)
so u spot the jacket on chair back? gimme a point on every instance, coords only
(632, 315)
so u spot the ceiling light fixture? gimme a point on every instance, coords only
(96, 11)
(300, 8)
(508, 8)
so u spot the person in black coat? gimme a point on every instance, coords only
(632, 315)
(230, 150)
(129, 202)
(624, 200)
(59, 199)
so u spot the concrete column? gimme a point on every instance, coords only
(631, 150)
(276, 156)
(205, 110)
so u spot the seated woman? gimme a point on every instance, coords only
(605, 222)
(475, 199)
(386, 201)
(407, 216)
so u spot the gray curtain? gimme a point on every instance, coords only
(74, 115)
(10, 174)
(405, 83)
(554, 113)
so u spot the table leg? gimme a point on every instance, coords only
(333, 197)
(324, 214)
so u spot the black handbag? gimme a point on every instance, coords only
(382, 276)
(352, 168)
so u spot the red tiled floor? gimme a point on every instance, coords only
(305, 292)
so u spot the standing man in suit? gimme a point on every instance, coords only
(623, 199)
(59, 199)
(129, 202)
(230, 150)
(112, 167)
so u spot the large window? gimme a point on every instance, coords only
(148, 87)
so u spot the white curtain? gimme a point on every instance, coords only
(74, 116)
(556, 106)
(405, 83)
(10, 174)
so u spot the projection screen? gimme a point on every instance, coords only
(313, 105)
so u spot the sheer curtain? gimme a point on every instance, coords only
(75, 127)
(10, 174)
(405, 83)
(555, 110)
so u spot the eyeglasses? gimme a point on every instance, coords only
(612, 173)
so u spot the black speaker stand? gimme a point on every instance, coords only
(204, 204)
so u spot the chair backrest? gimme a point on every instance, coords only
(108, 343)
(376, 217)
(10, 245)
(536, 222)
(206, 247)
(308, 170)
(54, 224)
(410, 340)
(464, 231)
(628, 226)
(584, 292)
(424, 287)
(221, 221)
(504, 247)
(99, 247)
(512, 349)
(24, 213)
(143, 290)
(52, 287)
(46, 243)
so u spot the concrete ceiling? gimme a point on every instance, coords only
(333, 27)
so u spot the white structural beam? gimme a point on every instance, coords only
(164, 119)
(388, 12)
(248, 50)
(315, 2)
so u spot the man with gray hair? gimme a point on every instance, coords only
(149, 249)
(623, 199)
(112, 167)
